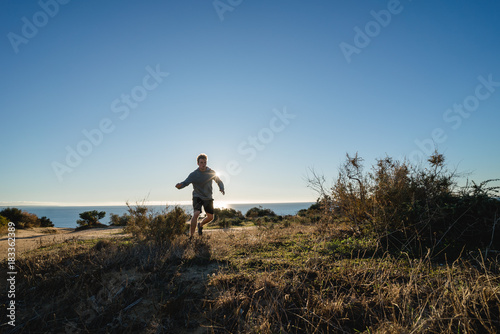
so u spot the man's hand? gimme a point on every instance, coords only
(178, 185)
(223, 192)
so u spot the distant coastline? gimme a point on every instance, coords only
(65, 216)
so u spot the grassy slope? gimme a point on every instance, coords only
(296, 279)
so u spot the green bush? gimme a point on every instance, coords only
(227, 213)
(145, 225)
(259, 212)
(4, 222)
(14, 215)
(24, 219)
(116, 220)
(90, 218)
(45, 222)
(414, 209)
(314, 210)
(228, 222)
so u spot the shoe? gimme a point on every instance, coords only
(200, 229)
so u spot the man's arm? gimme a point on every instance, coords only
(184, 183)
(220, 184)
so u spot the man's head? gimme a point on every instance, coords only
(202, 162)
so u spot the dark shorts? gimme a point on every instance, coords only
(208, 205)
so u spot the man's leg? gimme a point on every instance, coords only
(194, 220)
(208, 205)
(197, 205)
(207, 219)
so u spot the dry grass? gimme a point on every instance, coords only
(296, 279)
(112, 286)
(291, 281)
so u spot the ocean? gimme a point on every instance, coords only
(66, 216)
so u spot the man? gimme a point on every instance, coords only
(202, 179)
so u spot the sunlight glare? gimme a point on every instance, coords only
(221, 205)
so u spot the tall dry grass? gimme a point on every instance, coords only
(111, 286)
(286, 277)
(413, 208)
(270, 289)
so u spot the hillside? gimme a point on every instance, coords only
(287, 277)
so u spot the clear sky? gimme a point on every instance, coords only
(111, 101)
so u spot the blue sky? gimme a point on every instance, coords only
(111, 101)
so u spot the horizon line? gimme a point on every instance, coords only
(217, 203)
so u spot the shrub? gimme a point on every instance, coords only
(141, 216)
(21, 218)
(314, 213)
(12, 214)
(29, 220)
(45, 222)
(228, 222)
(116, 220)
(223, 223)
(146, 225)
(227, 213)
(226, 218)
(312, 210)
(259, 212)
(90, 218)
(412, 208)
(4, 222)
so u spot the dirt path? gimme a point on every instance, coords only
(33, 238)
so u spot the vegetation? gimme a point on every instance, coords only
(148, 226)
(396, 250)
(89, 219)
(414, 209)
(23, 219)
(226, 218)
(227, 213)
(302, 280)
(116, 220)
(45, 222)
(259, 212)
(3, 224)
(297, 279)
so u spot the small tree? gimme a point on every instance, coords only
(259, 212)
(45, 222)
(12, 214)
(90, 218)
(22, 219)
